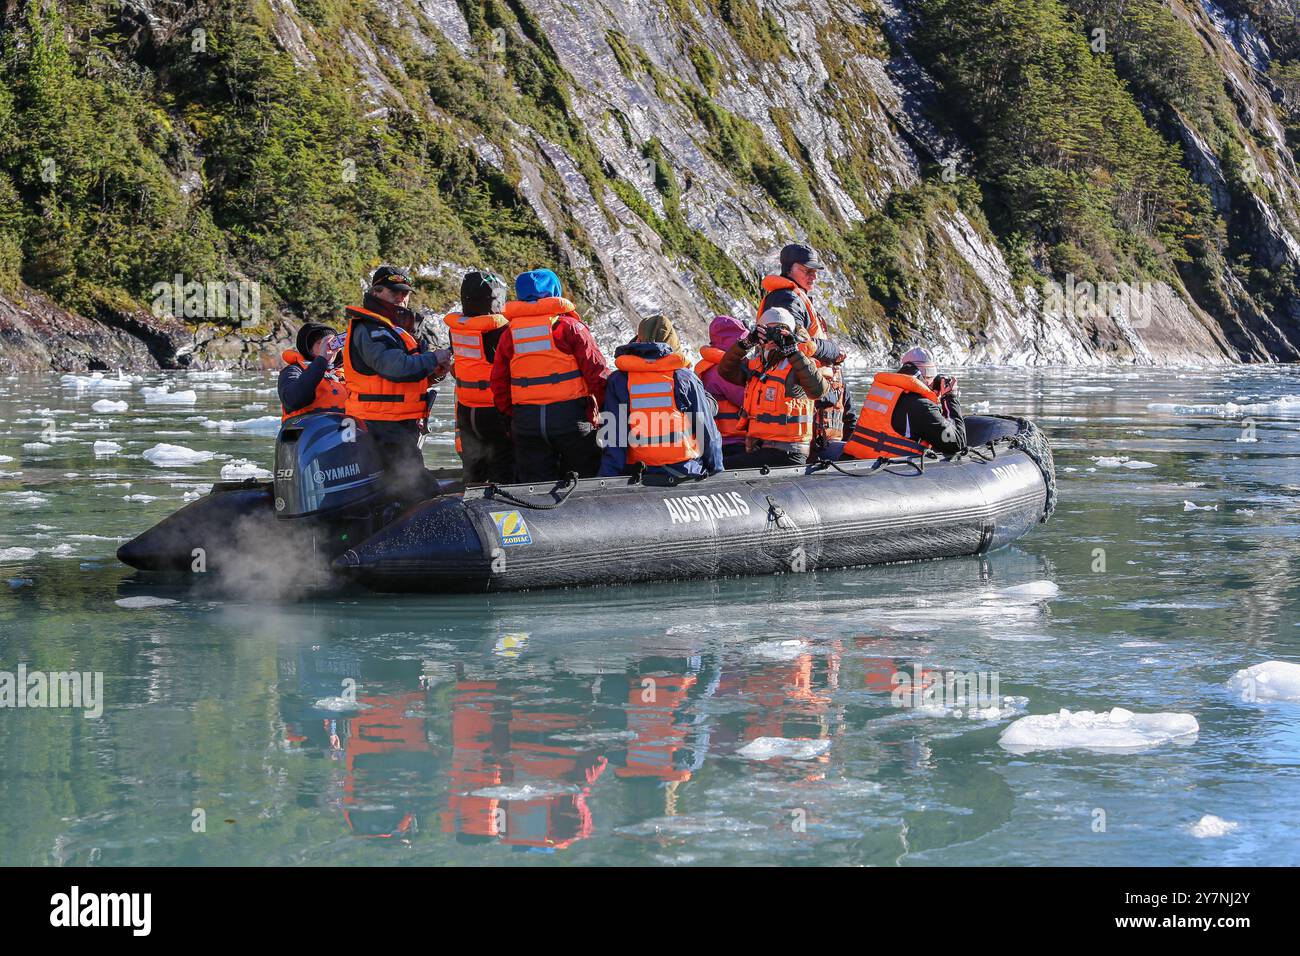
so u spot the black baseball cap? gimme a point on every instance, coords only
(309, 335)
(391, 278)
(802, 254)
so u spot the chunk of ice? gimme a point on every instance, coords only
(106, 405)
(1271, 680)
(769, 748)
(143, 601)
(1115, 731)
(163, 455)
(163, 395)
(242, 468)
(1210, 826)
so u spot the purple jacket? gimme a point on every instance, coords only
(723, 333)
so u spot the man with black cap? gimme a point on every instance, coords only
(310, 380)
(389, 376)
(790, 291)
(482, 431)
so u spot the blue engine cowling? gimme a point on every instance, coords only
(324, 463)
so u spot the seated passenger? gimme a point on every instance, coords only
(724, 331)
(310, 380)
(908, 411)
(657, 412)
(782, 384)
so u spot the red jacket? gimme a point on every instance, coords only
(571, 335)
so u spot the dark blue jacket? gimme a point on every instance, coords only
(297, 385)
(692, 400)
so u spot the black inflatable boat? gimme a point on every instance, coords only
(614, 530)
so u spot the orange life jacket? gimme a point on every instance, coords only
(371, 397)
(873, 435)
(658, 432)
(771, 413)
(776, 283)
(730, 415)
(331, 394)
(540, 373)
(830, 416)
(471, 368)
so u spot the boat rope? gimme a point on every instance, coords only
(570, 479)
(1031, 441)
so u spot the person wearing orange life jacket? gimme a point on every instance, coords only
(782, 383)
(482, 432)
(907, 412)
(724, 331)
(657, 413)
(549, 375)
(311, 380)
(389, 374)
(791, 291)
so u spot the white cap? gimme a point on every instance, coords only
(777, 316)
(922, 359)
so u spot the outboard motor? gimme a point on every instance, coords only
(325, 464)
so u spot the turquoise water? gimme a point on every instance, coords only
(626, 725)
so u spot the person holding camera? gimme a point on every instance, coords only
(776, 362)
(907, 412)
(311, 380)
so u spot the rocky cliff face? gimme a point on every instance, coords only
(692, 115)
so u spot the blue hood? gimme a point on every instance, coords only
(538, 284)
(645, 350)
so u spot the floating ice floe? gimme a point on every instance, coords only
(32, 498)
(1116, 731)
(1092, 388)
(163, 395)
(103, 449)
(769, 748)
(210, 375)
(1122, 461)
(17, 554)
(1210, 826)
(143, 601)
(1193, 506)
(37, 446)
(1031, 591)
(242, 468)
(998, 710)
(96, 381)
(684, 825)
(981, 408)
(4, 458)
(339, 704)
(163, 455)
(1287, 405)
(526, 791)
(143, 499)
(265, 425)
(106, 405)
(1271, 680)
